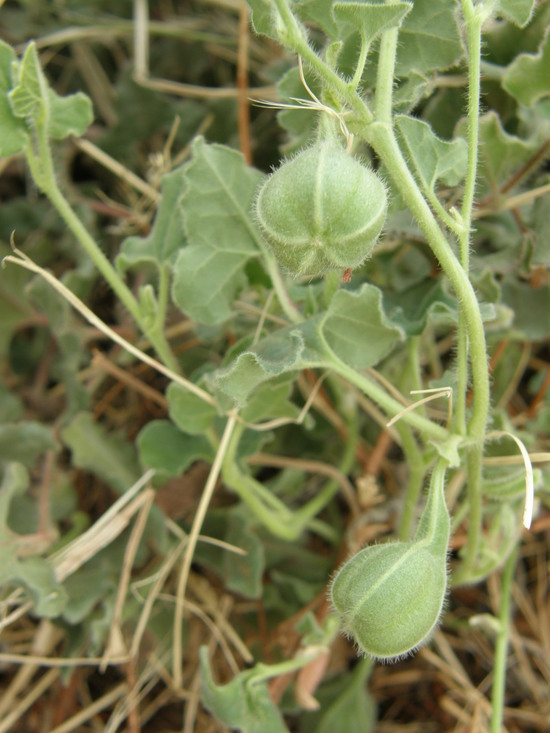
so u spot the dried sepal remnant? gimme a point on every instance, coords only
(390, 597)
(321, 210)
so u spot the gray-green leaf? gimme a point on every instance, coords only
(528, 76)
(433, 159)
(356, 328)
(166, 237)
(370, 19)
(243, 704)
(222, 236)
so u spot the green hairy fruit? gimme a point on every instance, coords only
(322, 210)
(389, 597)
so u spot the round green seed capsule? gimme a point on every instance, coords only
(321, 210)
(390, 597)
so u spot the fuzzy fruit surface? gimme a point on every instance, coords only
(322, 210)
(390, 597)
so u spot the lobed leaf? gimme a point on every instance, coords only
(24, 441)
(243, 704)
(32, 571)
(517, 11)
(166, 449)
(500, 153)
(433, 159)
(356, 328)
(13, 130)
(29, 98)
(527, 78)
(191, 414)
(221, 235)
(107, 456)
(264, 18)
(166, 237)
(370, 19)
(429, 39)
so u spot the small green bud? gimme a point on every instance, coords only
(389, 597)
(322, 210)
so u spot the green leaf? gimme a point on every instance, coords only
(348, 706)
(541, 227)
(34, 102)
(25, 441)
(34, 572)
(318, 11)
(356, 328)
(243, 574)
(500, 153)
(411, 308)
(429, 39)
(286, 350)
(243, 704)
(29, 99)
(191, 414)
(518, 11)
(165, 448)
(106, 455)
(13, 131)
(270, 401)
(166, 237)
(264, 18)
(527, 78)
(370, 19)
(433, 159)
(531, 309)
(70, 115)
(222, 236)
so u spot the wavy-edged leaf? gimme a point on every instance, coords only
(29, 98)
(108, 456)
(222, 236)
(165, 448)
(24, 441)
(500, 154)
(31, 571)
(370, 19)
(527, 78)
(166, 237)
(429, 39)
(243, 704)
(13, 131)
(356, 328)
(411, 308)
(517, 11)
(191, 414)
(289, 349)
(433, 159)
(264, 18)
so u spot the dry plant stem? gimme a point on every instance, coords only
(242, 84)
(23, 261)
(502, 642)
(45, 682)
(190, 549)
(42, 169)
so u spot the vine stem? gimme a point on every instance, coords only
(501, 646)
(473, 32)
(392, 407)
(42, 169)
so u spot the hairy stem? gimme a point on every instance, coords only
(473, 28)
(42, 169)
